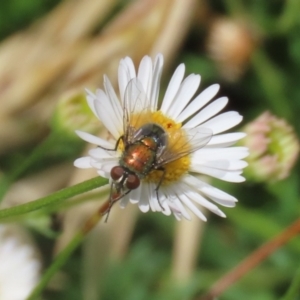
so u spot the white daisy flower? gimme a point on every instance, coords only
(19, 265)
(162, 150)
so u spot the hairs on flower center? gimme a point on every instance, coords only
(175, 169)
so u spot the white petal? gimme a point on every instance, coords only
(124, 201)
(192, 207)
(223, 122)
(122, 80)
(103, 174)
(220, 153)
(177, 215)
(182, 209)
(207, 189)
(103, 163)
(145, 74)
(135, 101)
(99, 153)
(226, 139)
(152, 199)
(231, 176)
(230, 165)
(152, 203)
(208, 112)
(83, 162)
(130, 67)
(219, 196)
(94, 140)
(186, 91)
(195, 196)
(199, 102)
(109, 102)
(169, 198)
(107, 116)
(156, 201)
(105, 166)
(158, 64)
(166, 211)
(135, 195)
(135, 97)
(90, 97)
(173, 88)
(173, 192)
(116, 105)
(216, 193)
(125, 74)
(144, 201)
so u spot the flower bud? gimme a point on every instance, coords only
(273, 146)
(230, 44)
(72, 112)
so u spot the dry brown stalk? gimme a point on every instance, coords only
(252, 261)
(59, 52)
(33, 60)
(188, 236)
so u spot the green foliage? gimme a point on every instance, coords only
(18, 14)
(139, 275)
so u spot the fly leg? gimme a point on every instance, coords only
(159, 184)
(114, 197)
(117, 144)
(111, 202)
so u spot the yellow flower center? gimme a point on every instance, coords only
(174, 169)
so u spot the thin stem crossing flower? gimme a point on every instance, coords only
(156, 154)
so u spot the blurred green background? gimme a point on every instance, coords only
(269, 80)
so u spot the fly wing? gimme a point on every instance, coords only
(183, 142)
(136, 109)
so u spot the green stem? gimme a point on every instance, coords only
(61, 206)
(62, 257)
(54, 198)
(34, 157)
(293, 291)
(56, 265)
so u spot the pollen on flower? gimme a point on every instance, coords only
(175, 169)
(166, 123)
(121, 146)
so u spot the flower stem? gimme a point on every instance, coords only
(54, 198)
(62, 257)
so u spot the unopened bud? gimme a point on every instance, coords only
(72, 113)
(273, 146)
(230, 44)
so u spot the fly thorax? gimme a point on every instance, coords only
(138, 158)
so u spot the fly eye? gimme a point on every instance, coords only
(116, 172)
(132, 182)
